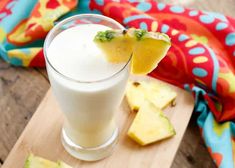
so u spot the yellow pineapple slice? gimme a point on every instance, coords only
(156, 92)
(150, 125)
(160, 94)
(146, 48)
(148, 52)
(135, 95)
(38, 162)
(121, 47)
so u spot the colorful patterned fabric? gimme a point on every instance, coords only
(201, 59)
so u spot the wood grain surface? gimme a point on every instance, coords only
(21, 91)
(42, 137)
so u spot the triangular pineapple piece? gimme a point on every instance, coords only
(150, 125)
(148, 52)
(146, 48)
(38, 162)
(160, 94)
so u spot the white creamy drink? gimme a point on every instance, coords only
(95, 89)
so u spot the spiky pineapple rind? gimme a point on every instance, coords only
(139, 34)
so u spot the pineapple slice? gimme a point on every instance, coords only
(121, 47)
(135, 95)
(148, 52)
(156, 92)
(160, 94)
(147, 48)
(150, 125)
(38, 162)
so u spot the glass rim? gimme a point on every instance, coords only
(64, 21)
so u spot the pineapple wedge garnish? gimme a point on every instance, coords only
(156, 92)
(150, 125)
(38, 162)
(116, 45)
(147, 49)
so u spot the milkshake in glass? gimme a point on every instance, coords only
(87, 87)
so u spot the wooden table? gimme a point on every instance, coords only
(22, 89)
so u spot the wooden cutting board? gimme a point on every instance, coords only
(42, 137)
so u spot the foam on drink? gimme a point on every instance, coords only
(75, 55)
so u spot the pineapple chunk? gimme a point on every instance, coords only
(38, 162)
(135, 95)
(121, 47)
(158, 93)
(150, 125)
(148, 52)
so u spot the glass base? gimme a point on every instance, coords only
(89, 154)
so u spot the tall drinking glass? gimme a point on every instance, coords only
(87, 88)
